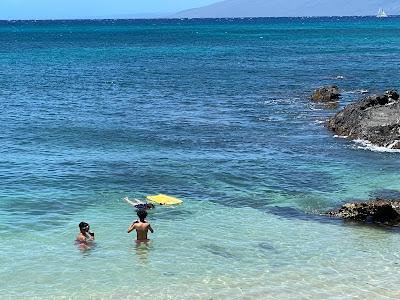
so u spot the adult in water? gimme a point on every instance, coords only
(85, 236)
(142, 226)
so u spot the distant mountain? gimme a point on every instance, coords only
(291, 8)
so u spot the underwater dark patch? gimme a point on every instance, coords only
(292, 180)
(292, 213)
(218, 251)
(170, 213)
(386, 194)
(267, 247)
(40, 207)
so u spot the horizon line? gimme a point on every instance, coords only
(188, 18)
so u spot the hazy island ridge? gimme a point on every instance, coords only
(290, 8)
(231, 9)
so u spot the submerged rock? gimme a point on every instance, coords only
(375, 119)
(377, 211)
(326, 94)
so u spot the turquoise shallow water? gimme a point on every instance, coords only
(214, 112)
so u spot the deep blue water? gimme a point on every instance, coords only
(212, 111)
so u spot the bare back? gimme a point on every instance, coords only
(141, 227)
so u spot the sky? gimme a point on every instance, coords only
(61, 9)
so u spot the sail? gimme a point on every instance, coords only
(381, 13)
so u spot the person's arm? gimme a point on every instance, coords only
(132, 227)
(88, 236)
(151, 229)
(91, 235)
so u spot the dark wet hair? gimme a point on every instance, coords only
(142, 214)
(83, 225)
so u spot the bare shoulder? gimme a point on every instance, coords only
(80, 238)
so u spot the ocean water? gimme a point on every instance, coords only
(214, 112)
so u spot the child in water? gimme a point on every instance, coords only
(141, 226)
(144, 206)
(140, 204)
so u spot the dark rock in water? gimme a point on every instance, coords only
(377, 211)
(392, 94)
(375, 119)
(326, 94)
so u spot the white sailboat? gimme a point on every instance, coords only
(381, 13)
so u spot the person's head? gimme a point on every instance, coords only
(142, 214)
(84, 227)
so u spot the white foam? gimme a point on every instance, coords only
(315, 108)
(393, 144)
(340, 136)
(360, 91)
(367, 145)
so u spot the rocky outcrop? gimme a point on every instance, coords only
(326, 94)
(379, 211)
(375, 119)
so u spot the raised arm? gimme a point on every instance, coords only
(90, 235)
(132, 227)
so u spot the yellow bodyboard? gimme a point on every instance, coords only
(164, 199)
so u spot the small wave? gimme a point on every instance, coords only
(315, 108)
(367, 145)
(339, 77)
(340, 136)
(359, 91)
(319, 121)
